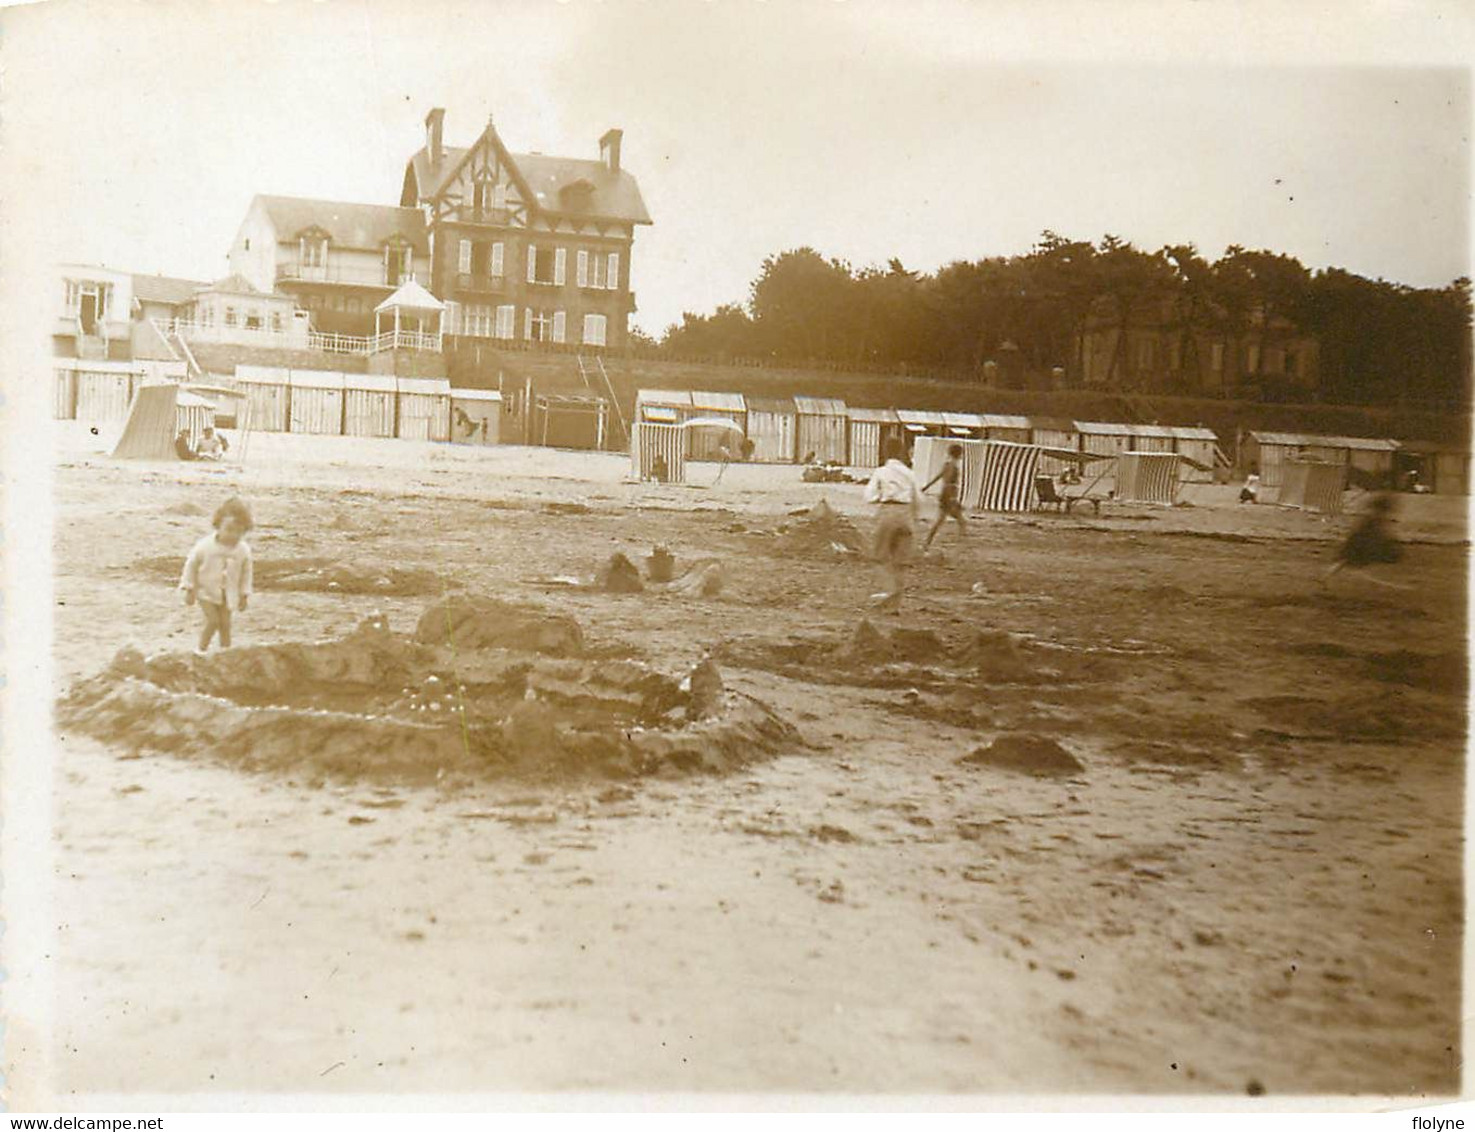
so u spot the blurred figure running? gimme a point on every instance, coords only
(1369, 543)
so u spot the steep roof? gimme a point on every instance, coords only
(235, 284)
(164, 289)
(612, 196)
(367, 227)
(411, 296)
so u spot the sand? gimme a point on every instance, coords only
(1252, 883)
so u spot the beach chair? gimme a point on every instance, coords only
(1049, 496)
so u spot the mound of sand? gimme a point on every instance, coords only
(619, 576)
(819, 531)
(476, 622)
(322, 575)
(383, 706)
(1026, 754)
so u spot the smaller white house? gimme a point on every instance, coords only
(235, 310)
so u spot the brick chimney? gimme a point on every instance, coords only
(609, 149)
(433, 122)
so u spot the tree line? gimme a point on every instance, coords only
(1379, 342)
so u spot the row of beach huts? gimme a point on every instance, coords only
(280, 399)
(779, 430)
(796, 429)
(826, 430)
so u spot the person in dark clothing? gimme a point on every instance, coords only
(182, 447)
(1369, 543)
(950, 504)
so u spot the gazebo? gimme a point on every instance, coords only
(410, 319)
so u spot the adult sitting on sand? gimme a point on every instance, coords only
(213, 446)
(182, 446)
(893, 488)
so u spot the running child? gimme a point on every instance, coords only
(951, 504)
(217, 572)
(893, 489)
(1369, 543)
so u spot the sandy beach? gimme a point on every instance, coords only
(1251, 885)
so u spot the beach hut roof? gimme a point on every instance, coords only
(1309, 440)
(669, 398)
(475, 395)
(708, 401)
(315, 379)
(1104, 428)
(427, 385)
(820, 406)
(771, 405)
(923, 417)
(374, 382)
(880, 416)
(1151, 430)
(1004, 420)
(1183, 432)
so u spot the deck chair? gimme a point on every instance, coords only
(1048, 496)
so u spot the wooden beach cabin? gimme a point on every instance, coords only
(424, 408)
(773, 425)
(369, 403)
(316, 402)
(476, 416)
(822, 428)
(870, 430)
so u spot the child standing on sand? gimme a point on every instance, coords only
(217, 572)
(893, 488)
(951, 504)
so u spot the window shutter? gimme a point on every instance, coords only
(497, 261)
(581, 270)
(505, 315)
(560, 324)
(527, 323)
(613, 279)
(589, 330)
(463, 263)
(532, 271)
(560, 266)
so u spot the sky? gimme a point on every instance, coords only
(868, 129)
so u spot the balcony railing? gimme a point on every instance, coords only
(301, 335)
(481, 283)
(293, 334)
(374, 344)
(339, 273)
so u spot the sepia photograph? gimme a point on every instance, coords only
(727, 554)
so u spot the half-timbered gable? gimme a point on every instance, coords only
(527, 246)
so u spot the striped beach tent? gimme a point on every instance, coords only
(1312, 485)
(653, 440)
(1006, 479)
(929, 453)
(1147, 477)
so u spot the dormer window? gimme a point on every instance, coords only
(313, 249)
(398, 261)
